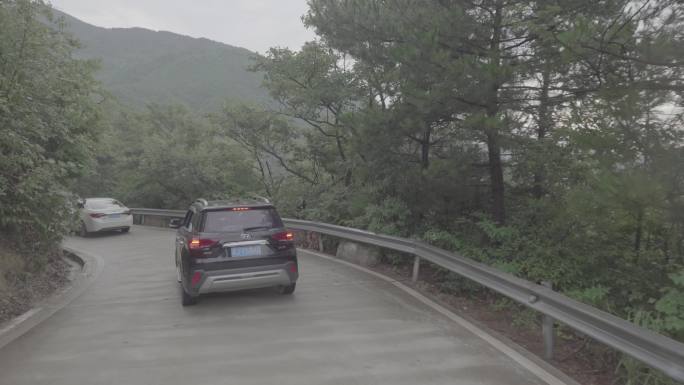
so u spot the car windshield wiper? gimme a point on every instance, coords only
(256, 228)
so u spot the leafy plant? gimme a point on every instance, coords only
(49, 118)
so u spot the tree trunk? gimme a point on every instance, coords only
(638, 233)
(425, 148)
(496, 177)
(543, 126)
(492, 129)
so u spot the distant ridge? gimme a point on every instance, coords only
(141, 66)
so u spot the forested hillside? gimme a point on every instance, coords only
(155, 141)
(140, 66)
(544, 138)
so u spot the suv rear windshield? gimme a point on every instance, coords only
(239, 220)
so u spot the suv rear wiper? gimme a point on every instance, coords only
(256, 228)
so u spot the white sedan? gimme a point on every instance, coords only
(104, 214)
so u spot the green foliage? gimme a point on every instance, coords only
(384, 218)
(671, 305)
(166, 157)
(634, 372)
(542, 138)
(141, 66)
(443, 239)
(594, 295)
(48, 120)
(315, 87)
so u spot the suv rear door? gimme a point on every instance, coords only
(241, 235)
(184, 237)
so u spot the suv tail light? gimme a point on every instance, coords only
(201, 247)
(98, 215)
(284, 240)
(284, 236)
(201, 243)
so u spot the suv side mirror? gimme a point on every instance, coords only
(80, 204)
(175, 223)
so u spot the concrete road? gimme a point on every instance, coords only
(342, 326)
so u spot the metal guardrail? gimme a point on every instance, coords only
(651, 348)
(159, 213)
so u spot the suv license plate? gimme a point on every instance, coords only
(245, 251)
(114, 215)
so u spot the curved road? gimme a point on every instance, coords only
(342, 326)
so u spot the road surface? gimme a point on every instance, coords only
(342, 326)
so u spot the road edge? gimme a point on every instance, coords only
(91, 266)
(523, 357)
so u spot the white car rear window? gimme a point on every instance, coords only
(103, 204)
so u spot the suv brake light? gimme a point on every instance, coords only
(98, 215)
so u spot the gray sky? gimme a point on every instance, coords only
(253, 24)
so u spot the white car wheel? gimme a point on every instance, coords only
(83, 231)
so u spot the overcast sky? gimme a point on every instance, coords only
(253, 24)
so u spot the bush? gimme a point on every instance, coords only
(48, 121)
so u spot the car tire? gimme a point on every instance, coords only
(287, 289)
(187, 299)
(83, 231)
(125, 230)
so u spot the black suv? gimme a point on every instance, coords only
(233, 245)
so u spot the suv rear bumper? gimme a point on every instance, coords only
(213, 281)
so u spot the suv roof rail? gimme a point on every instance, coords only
(202, 201)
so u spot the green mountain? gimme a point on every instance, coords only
(141, 66)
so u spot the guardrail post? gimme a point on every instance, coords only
(416, 268)
(320, 242)
(547, 330)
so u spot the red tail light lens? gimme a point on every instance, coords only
(285, 236)
(98, 215)
(240, 209)
(201, 243)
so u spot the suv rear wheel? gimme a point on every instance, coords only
(83, 231)
(286, 290)
(187, 299)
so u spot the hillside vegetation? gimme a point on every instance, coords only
(49, 119)
(140, 66)
(544, 138)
